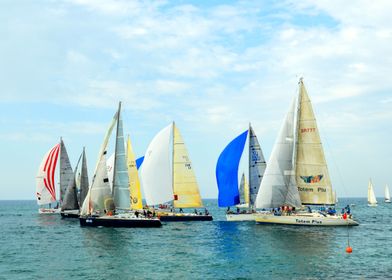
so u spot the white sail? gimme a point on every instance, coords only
(278, 185)
(156, 171)
(87, 203)
(371, 196)
(83, 179)
(121, 194)
(185, 187)
(335, 197)
(100, 194)
(110, 168)
(257, 166)
(70, 201)
(45, 184)
(386, 193)
(66, 173)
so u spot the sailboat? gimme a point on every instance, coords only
(372, 201)
(111, 208)
(168, 178)
(45, 179)
(297, 174)
(72, 201)
(387, 195)
(227, 175)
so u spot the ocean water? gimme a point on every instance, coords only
(34, 246)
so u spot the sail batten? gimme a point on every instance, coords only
(185, 188)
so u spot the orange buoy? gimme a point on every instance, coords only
(349, 250)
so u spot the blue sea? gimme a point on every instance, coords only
(34, 246)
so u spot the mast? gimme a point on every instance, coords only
(250, 206)
(295, 134)
(172, 164)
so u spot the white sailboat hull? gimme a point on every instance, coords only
(372, 204)
(306, 219)
(49, 211)
(241, 217)
(387, 201)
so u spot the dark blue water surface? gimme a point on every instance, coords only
(34, 246)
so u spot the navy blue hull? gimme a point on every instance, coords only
(185, 218)
(116, 222)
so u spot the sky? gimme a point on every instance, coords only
(210, 66)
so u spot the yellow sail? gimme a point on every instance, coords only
(134, 183)
(246, 191)
(185, 188)
(314, 184)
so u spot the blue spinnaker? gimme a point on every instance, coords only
(139, 162)
(227, 171)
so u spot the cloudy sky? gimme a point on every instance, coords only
(212, 66)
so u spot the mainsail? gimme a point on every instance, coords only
(66, 173)
(120, 180)
(278, 185)
(155, 171)
(83, 179)
(70, 201)
(45, 184)
(312, 176)
(185, 187)
(134, 182)
(371, 196)
(257, 166)
(227, 171)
